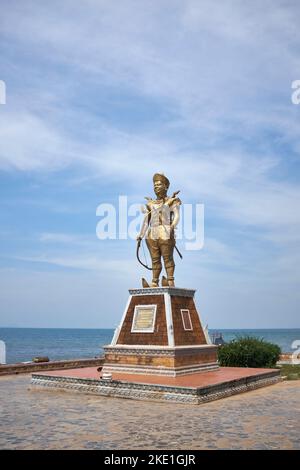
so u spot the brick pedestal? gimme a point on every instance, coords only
(160, 334)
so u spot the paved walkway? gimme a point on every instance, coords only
(267, 418)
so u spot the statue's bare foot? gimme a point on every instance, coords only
(154, 284)
(171, 283)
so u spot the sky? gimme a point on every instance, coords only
(101, 95)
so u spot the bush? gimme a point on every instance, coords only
(248, 351)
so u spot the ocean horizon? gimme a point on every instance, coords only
(23, 344)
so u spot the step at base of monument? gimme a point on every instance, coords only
(195, 388)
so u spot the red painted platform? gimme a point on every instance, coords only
(197, 380)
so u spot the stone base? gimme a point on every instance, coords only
(192, 389)
(155, 360)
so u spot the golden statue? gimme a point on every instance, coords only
(160, 221)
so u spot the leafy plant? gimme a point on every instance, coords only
(248, 351)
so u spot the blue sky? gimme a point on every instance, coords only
(102, 94)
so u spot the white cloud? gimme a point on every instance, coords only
(28, 143)
(216, 72)
(80, 261)
(219, 76)
(204, 63)
(54, 237)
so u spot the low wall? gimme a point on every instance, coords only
(21, 368)
(287, 358)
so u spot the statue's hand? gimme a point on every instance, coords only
(139, 238)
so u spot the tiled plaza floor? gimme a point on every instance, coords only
(267, 418)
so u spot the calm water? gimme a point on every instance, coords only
(22, 344)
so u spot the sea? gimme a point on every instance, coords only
(23, 344)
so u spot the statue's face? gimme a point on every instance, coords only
(160, 189)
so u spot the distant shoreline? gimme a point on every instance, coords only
(23, 344)
(113, 328)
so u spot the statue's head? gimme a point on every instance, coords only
(161, 184)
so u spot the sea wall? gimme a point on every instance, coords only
(22, 368)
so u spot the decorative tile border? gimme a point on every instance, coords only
(175, 291)
(136, 350)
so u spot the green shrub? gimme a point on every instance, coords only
(248, 351)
